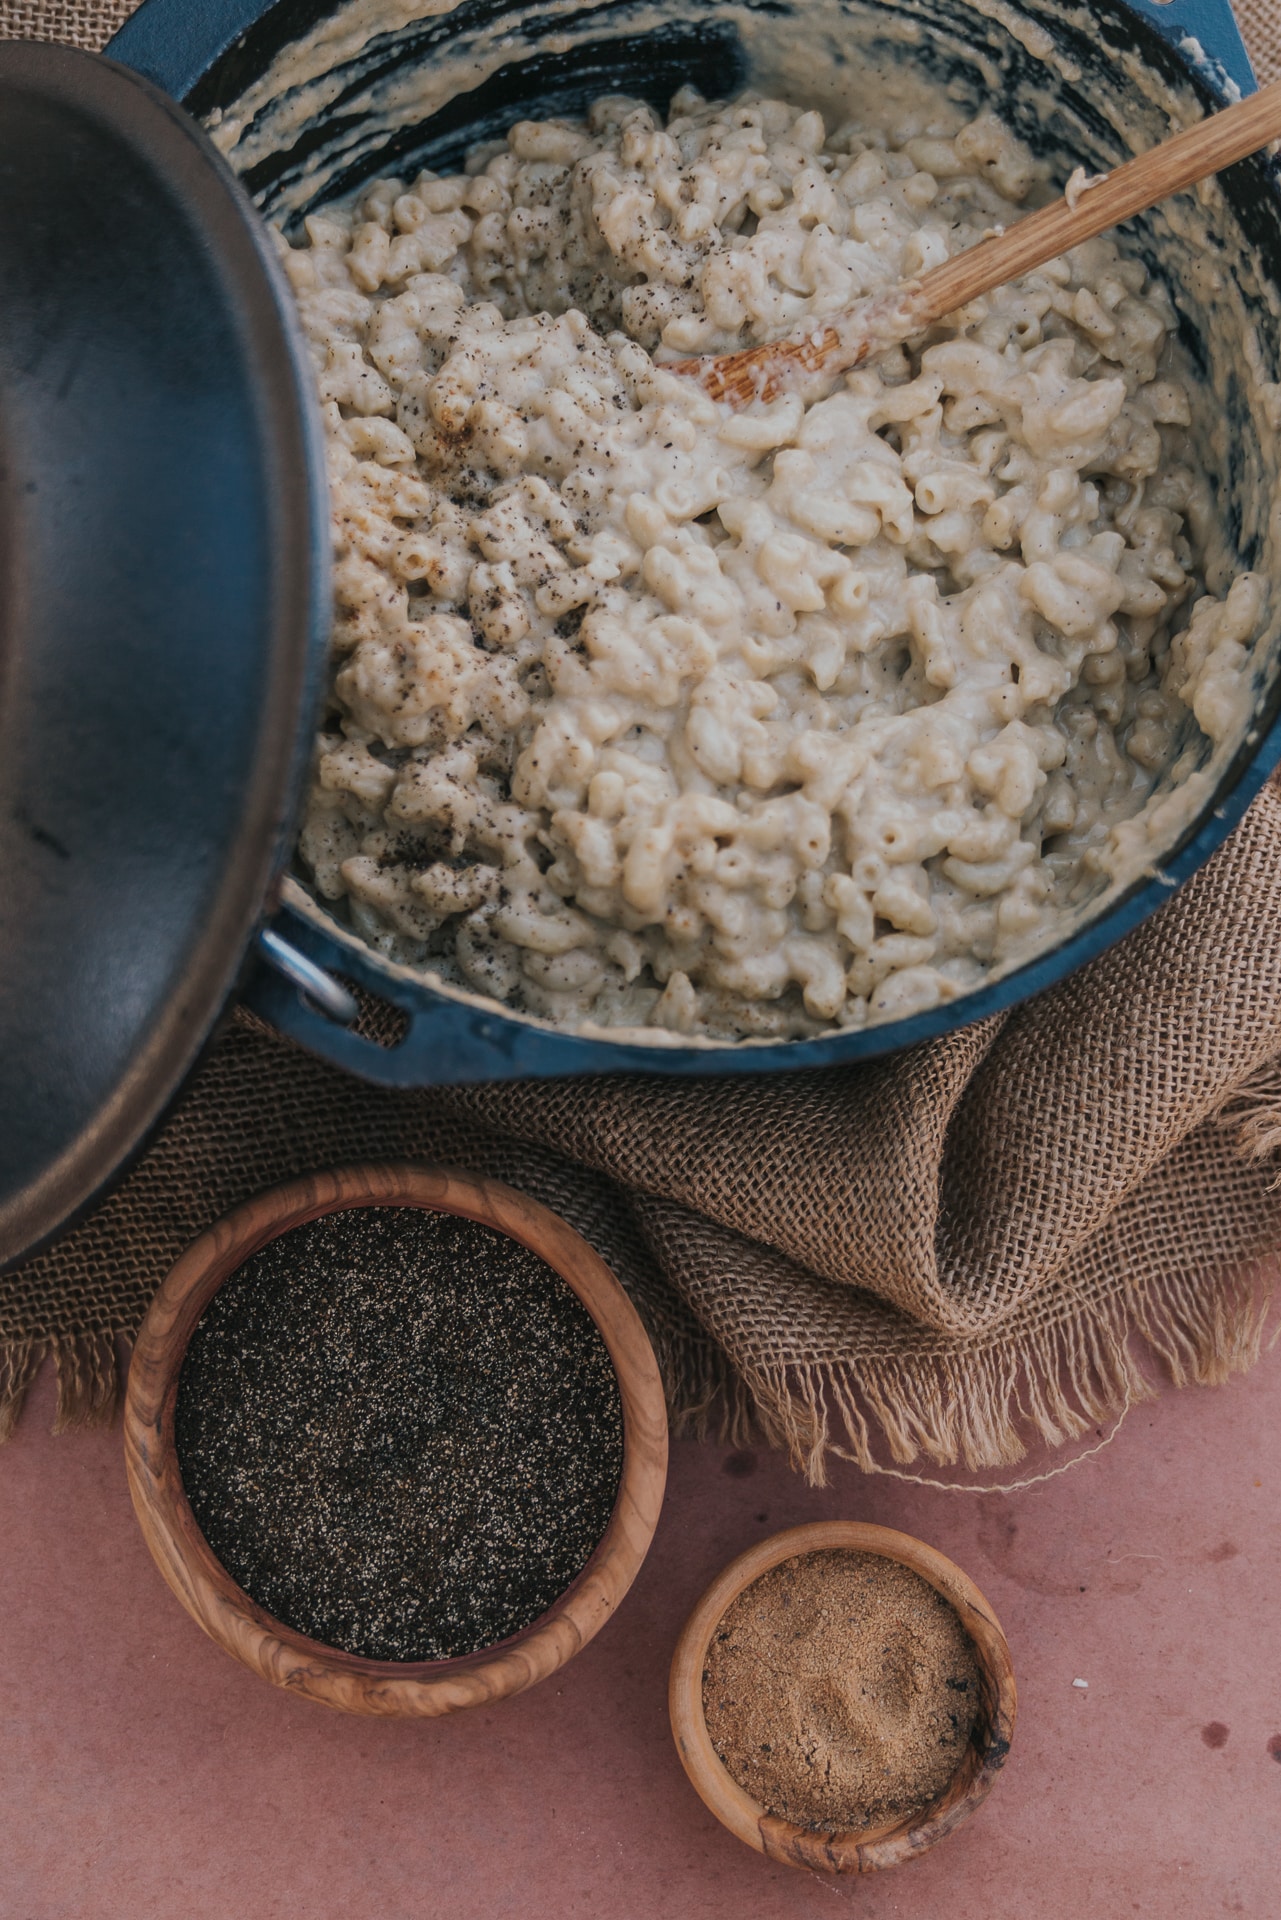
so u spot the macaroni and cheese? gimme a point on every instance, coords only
(643, 712)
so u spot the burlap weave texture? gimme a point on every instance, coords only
(944, 1254)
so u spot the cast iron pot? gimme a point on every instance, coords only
(555, 60)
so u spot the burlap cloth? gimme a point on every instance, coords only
(946, 1255)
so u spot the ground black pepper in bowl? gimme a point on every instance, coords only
(400, 1432)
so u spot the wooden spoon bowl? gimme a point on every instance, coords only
(837, 342)
(870, 1849)
(203, 1585)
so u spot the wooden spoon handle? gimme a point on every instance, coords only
(1204, 149)
(841, 341)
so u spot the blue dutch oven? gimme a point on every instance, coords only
(1082, 84)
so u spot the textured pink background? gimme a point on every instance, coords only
(145, 1776)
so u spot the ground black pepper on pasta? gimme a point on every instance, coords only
(400, 1432)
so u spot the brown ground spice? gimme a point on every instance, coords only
(840, 1691)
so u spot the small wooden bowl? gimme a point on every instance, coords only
(870, 1849)
(206, 1589)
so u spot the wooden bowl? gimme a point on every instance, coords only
(202, 1583)
(869, 1849)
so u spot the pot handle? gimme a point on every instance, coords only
(175, 42)
(1205, 35)
(327, 995)
(291, 984)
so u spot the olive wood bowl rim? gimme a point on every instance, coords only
(230, 1617)
(857, 1851)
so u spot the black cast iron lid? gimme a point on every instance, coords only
(163, 585)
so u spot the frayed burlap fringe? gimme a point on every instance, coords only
(20, 1362)
(89, 1379)
(1254, 1113)
(983, 1407)
(706, 1398)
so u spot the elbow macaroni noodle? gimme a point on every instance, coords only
(646, 713)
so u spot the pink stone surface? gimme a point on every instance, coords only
(146, 1776)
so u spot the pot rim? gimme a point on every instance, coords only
(856, 1851)
(236, 1622)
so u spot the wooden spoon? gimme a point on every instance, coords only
(841, 341)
